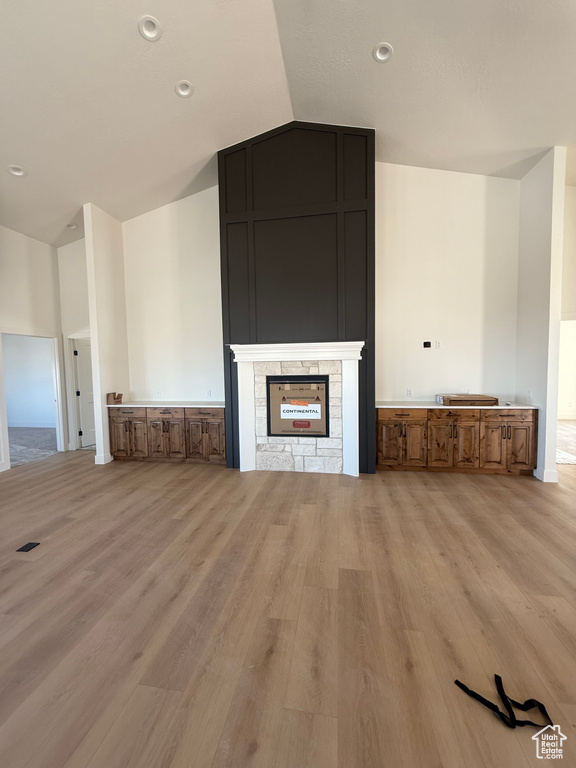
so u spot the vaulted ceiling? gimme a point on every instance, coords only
(88, 106)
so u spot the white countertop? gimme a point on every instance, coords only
(169, 404)
(433, 404)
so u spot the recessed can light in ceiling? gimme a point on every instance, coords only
(72, 225)
(16, 170)
(383, 52)
(150, 28)
(184, 88)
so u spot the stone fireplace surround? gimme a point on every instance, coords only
(335, 454)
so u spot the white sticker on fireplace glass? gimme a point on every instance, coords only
(310, 411)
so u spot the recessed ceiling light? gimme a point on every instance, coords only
(72, 225)
(150, 28)
(16, 170)
(383, 52)
(184, 88)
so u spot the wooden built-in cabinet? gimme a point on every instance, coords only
(508, 439)
(205, 435)
(162, 433)
(495, 440)
(402, 438)
(166, 433)
(128, 433)
(453, 438)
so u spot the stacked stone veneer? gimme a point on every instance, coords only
(299, 454)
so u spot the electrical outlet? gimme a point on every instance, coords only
(208, 393)
(408, 393)
(530, 396)
(158, 395)
(438, 344)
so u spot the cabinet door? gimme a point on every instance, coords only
(520, 445)
(389, 442)
(119, 437)
(492, 445)
(175, 439)
(214, 441)
(156, 449)
(415, 444)
(440, 443)
(195, 439)
(138, 438)
(466, 444)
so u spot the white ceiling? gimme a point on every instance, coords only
(88, 106)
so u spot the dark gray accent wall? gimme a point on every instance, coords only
(297, 249)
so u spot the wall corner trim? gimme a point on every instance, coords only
(546, 475)
(103, 458)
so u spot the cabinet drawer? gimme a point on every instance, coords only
(199, 413)
(454, 414)
(507, 414)
(406, 414)
(160, 413)
(138, 413)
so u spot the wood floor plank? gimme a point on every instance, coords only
(307, 741)
(145, 734)
(252, 731)
(313, 681)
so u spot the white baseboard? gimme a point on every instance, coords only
(546, 475)
(567, 416)
(103, 458)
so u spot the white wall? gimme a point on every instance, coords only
(446, 270)
(173, 300)
(29, 292)
(107, 310)
(29, 381)
(567, 371)
(569, 257)
(539, 298)
(73, 282)
(29, 301)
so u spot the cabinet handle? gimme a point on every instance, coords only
(455, 430)
(126, 426)
(404, 430)
(504, 432)
(451, 430)
(509, 433)
(204, 413)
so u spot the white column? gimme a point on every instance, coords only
(350, 436)
(246, 416)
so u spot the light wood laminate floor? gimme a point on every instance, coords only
(189, 616)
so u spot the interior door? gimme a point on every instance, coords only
(83, 359)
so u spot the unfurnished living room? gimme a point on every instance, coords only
(287, 384)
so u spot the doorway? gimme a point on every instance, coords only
(81, 355)
(31, 387)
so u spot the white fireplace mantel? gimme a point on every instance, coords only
(346, 352)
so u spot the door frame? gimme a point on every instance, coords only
(71, 386)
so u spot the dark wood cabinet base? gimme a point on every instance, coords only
(489, 441)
